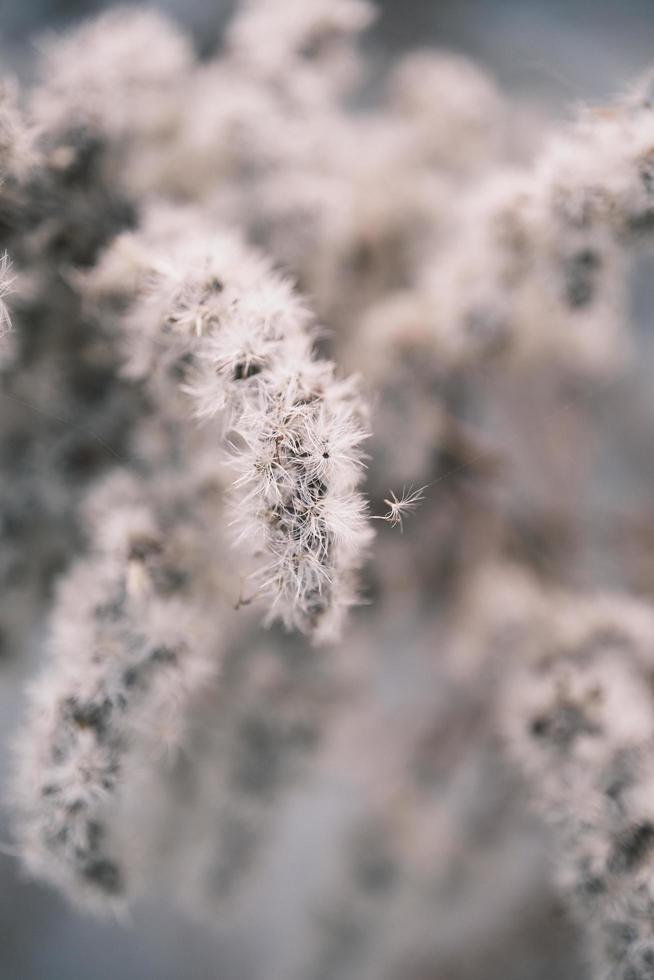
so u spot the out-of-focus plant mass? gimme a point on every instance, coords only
(325, 447)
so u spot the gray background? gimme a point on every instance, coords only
(556, 51)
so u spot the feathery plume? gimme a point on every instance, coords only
(294, 428)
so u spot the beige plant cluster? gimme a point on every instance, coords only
(259, 301)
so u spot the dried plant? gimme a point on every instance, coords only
(248, 294)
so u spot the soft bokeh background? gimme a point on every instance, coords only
(559, 50)
(557, 53)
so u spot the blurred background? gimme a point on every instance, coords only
(556, 53)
